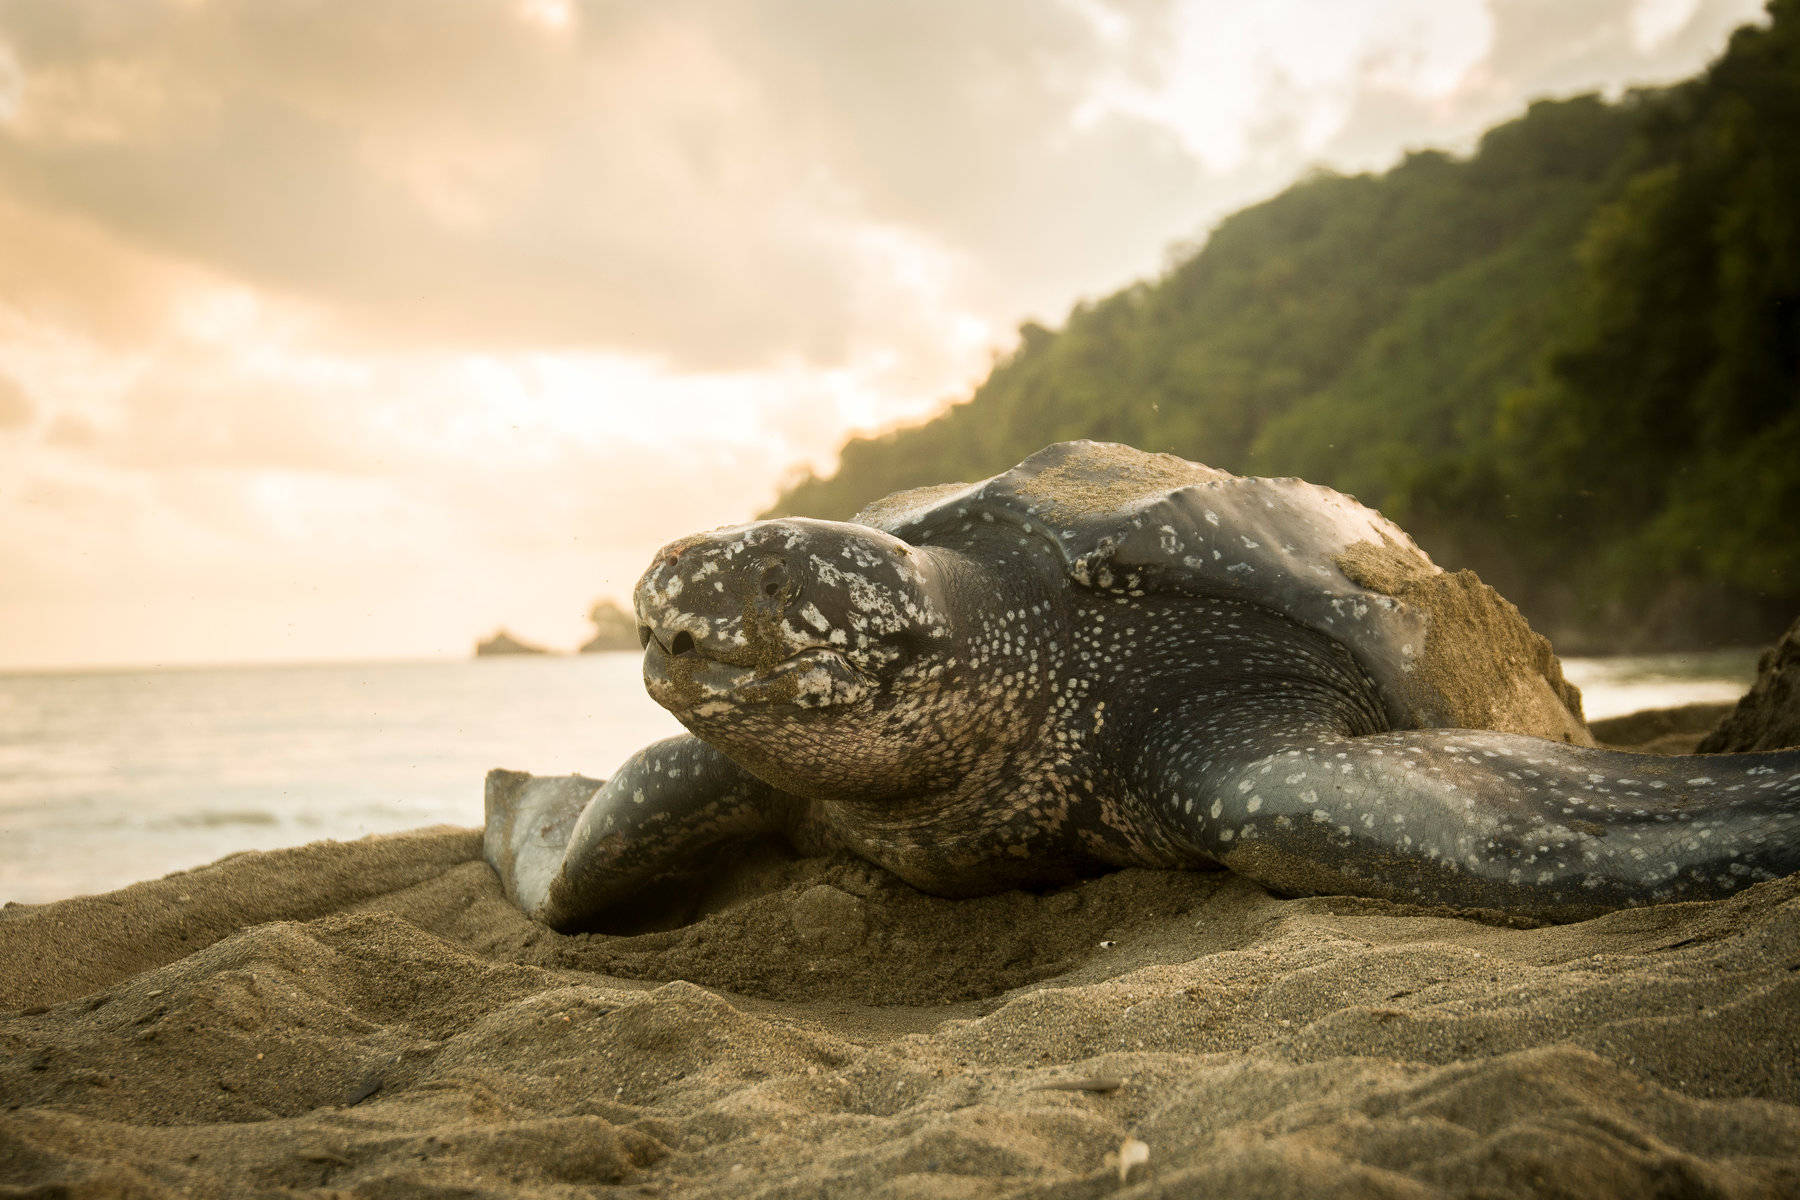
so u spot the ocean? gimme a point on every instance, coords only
(107, 777)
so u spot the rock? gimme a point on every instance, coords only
(602, 643)
(827, 920)
(1768, 717)
(614, 629)
(505, 643)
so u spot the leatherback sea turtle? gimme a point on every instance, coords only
(1104, 658)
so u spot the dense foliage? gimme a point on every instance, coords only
(1571, 360)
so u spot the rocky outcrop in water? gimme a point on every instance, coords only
(503, 643)
(614, 629)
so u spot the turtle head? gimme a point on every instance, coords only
(754, 631)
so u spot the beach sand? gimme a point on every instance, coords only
(374, 1019)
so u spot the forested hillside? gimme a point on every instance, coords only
(1570, 361)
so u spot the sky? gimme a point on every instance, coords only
(357, 330)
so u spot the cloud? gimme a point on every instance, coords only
(695, 180)
(16, 409)
(1350, 83)
(461, 175)
(339, 329)
(1251, 83)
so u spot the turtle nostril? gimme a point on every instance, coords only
(644, 636)
(682, 643)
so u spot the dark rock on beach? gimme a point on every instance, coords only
(1768, 717)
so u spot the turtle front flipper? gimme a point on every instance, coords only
(568, 848)
(1481, 820)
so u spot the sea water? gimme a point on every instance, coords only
(107, 777)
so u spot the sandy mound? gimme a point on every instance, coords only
(373, 1019)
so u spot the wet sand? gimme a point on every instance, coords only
(374, 1019)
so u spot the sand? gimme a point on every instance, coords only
(1483, 666)
(373, 1019)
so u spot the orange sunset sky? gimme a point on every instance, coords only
(340, 330)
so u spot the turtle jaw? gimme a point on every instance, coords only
(695, 686)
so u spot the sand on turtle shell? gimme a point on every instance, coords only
(1471, 629)
(373, 1019)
